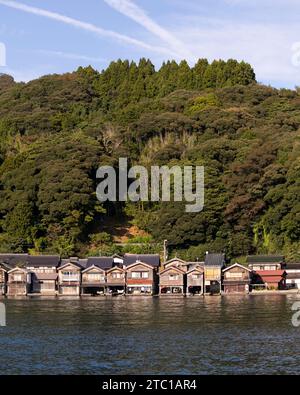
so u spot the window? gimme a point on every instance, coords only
(95, 277)
(70, 276)
(140, 275)
(17, 277)
(116, 275)
(173, 277)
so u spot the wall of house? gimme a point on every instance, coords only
(212, 273)
(236, 274)
(70, 268)
(194, 282)
(69, 291)
(131, 279)
(88, 277)
(181, 265)
(17, 289)
(44, 286)
(3, 276)
(264, 266)
(235, 288)
(120, 280)
(166, 281)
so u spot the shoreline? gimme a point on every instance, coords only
(167, 297)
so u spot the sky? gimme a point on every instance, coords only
(54, 36)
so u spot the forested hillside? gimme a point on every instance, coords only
(57, 130)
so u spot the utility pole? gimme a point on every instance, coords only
(165, 250)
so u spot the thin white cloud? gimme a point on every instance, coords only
(71, 56)
(85, 26)
(267, 47)
(23, 75)
(131, 10)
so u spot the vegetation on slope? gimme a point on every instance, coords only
(57, 130)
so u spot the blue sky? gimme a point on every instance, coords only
(45, 37)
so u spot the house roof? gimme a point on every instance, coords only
(265, 259)
(172, 268)
(43, 261)
(175, 259)
(198, 269)
(93, 267)
(214, 260)
(292, 266)
(115, 268)
(14, 259)
(140, 263)
(270, 275)
(67, 263)
(18, 269)
(5, 267)
(82, 263)
(236, 265)
(150, 259)
(101, 262)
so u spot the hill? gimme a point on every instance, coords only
(57, 130)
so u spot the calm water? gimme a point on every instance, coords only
(250, 334)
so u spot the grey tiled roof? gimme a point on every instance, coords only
(14, 259)
(265, 259)
(43, 260)
(150, 259)
(102, 262)
(292, 266)
(214, 260)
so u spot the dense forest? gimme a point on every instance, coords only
(57, 130)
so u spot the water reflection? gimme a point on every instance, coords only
(240, 334)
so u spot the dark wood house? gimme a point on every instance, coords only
(265, 262)
(177, 262)
(69, 278)
(172, 281)
(94, 276)
(236, 279)
(93, 281)
(151, 259)
(213, 266)
(195, 281)
(293, 275)
(19, 282)
(44, 274)
(116, 281)
(141, 279)
(4, 269)
(270, 279)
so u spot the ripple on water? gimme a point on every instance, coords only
(217, 335)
